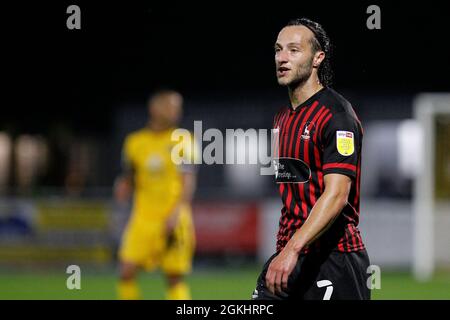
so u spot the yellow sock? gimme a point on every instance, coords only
(128, 290)
(180, 291)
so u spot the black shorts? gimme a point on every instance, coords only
(322, 276)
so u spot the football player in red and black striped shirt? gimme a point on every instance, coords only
(320, 253)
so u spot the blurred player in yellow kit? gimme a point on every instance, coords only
(160, 231)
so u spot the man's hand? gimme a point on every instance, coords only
(279, 270)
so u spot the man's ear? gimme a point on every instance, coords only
(318, 58)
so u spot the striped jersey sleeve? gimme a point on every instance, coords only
(341, 139)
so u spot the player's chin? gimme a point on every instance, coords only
(283, 81)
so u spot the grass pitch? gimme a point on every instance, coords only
(206, 283)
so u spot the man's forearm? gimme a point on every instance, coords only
(325, 211)
(189, 186)
(189, 182)
(123, 187)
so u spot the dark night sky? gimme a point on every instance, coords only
(124, 50)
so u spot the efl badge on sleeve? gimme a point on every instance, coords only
(345, 142)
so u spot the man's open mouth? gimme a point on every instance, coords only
(282, 71)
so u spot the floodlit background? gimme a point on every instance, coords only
(74, 95)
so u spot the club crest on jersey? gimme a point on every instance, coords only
(345, 143)
(307, 130)
(154, 163)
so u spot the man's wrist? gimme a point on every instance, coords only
(295, 245)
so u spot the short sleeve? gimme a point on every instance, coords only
(341, 139)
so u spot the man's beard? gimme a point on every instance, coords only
(302, 75)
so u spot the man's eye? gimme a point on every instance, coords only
(294, 50)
